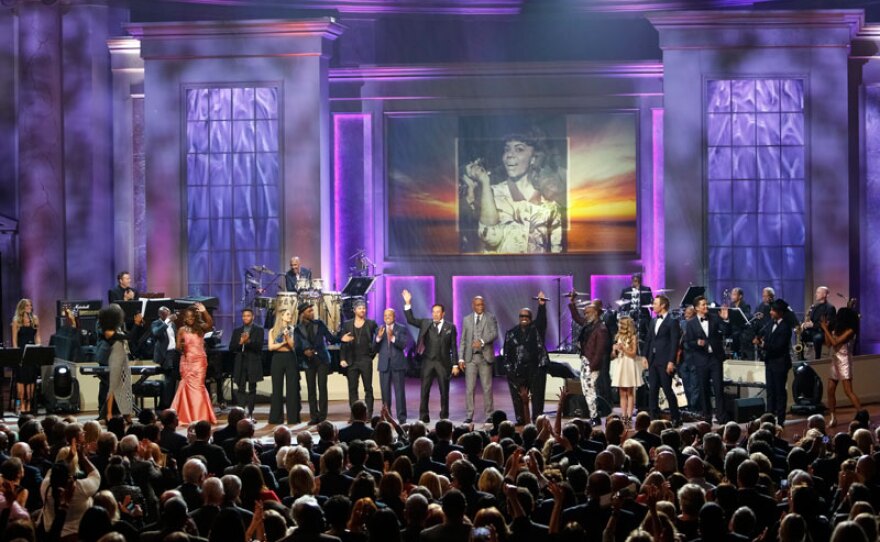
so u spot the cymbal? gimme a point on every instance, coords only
(622, 302)
(261, 269)
(253, 283)
(576, 294)
(664, 290)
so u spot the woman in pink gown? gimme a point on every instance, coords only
(192, 401)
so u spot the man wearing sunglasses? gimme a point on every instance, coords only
(525, 358)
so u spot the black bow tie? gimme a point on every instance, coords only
(702, 319)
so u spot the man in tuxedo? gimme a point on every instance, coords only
(525, 359)
(609, 318)
(311, 337)
(295, 273)
(477, 351)
(661, 348)
(439, 348)
(356, 354)
(391, 342)
(123, 282)
(776, 341)
(737, 301)
(812, 326)
(165, 353)
(247, 344)
(704, 340)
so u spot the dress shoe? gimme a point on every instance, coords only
(426, 419)
(313, 421)
(468, 420)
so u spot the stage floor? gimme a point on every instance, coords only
(338, 411)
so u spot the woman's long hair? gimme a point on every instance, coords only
(846, 319)
(20, 313)
(626, 328)
(279, 323)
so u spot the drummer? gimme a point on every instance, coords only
(295, 274)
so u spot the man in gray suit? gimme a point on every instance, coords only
(480, 329)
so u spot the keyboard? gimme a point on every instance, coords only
(100, 370)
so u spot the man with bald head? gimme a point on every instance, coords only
(32, 477)
(391, 343)
(597, 510)
(295, 273)
(477, 351)
(695, 472)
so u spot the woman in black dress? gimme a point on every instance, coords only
(25, 330)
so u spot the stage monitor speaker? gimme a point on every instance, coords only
(747, 409)
(576, 403)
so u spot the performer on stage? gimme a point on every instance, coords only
(841, 340)
(525, 358)
(358, 337)
(609, 318)
(110, 319)
(439, 348)
(637, 295)
(123, 282)
(704, 340)
(812, 330)
(392, 341)
(687, 368)
(762, 313)
(165, 354)
(477, 351)
(660, 350)
(626, 368)
(312, 338)
(247, 343)
(592, 340)
(295, 273)
(25, 330)
(776, 341)
(192, 401)
(285, 367)
(737, 328)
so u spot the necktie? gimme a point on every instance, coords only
(478, 320)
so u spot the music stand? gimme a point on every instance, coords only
(357, 286)
(151, 309)
(558, 369)
(10, 357)
(37, 356)
(130, 308)
(691, 293)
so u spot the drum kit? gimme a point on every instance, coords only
(259, 281)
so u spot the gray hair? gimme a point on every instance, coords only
(194, 471)
(231, 486)
(128, 445)
(212, 491)
(423, 447)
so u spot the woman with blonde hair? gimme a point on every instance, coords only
(25, 330)
(431, 482)
(494, 452)
(284, 366)
(626, 367)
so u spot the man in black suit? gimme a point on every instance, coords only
(661, 348)
(454, 527)
(32, 477)
(423, 449)
(638, 295)
(244, 456)
(215, 456)
(391, 343)
(525, 358)
(165, 353)
(443, 445)
(597, 510)
(235, 415)
(812, 326)
(247, 343)
(775, 339)
(649, 440)
(333, 481)
(309, 520)
(356, 353)
(439, 348)
(169, 438)
(704, 340)
(311, 337)
(123, 282)
(358, 429)
(295, 273)
(737, 301)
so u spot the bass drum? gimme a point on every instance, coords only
(285, 301)
(329, 309)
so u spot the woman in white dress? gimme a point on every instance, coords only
(626, 367)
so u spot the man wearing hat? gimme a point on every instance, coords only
(311, 337)
(356, 353)
(776, 340)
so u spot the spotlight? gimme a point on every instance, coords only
(806, 389)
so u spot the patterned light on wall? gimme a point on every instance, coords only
(232, 191)
(756, 187)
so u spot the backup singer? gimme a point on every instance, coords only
(247, 343)
(478, 333)
(661, 348)
(284, 367)
(392, 341)
(592, 340)
(841, 340)
(776, 341)
(525, 358)
(165, 353)
(312, 337)
(25, 330)
(192, 401)
(812, 330)
(358, 337)
(704, 340)
(439, 349)
(111, 318)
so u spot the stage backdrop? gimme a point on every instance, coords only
(560, 183)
